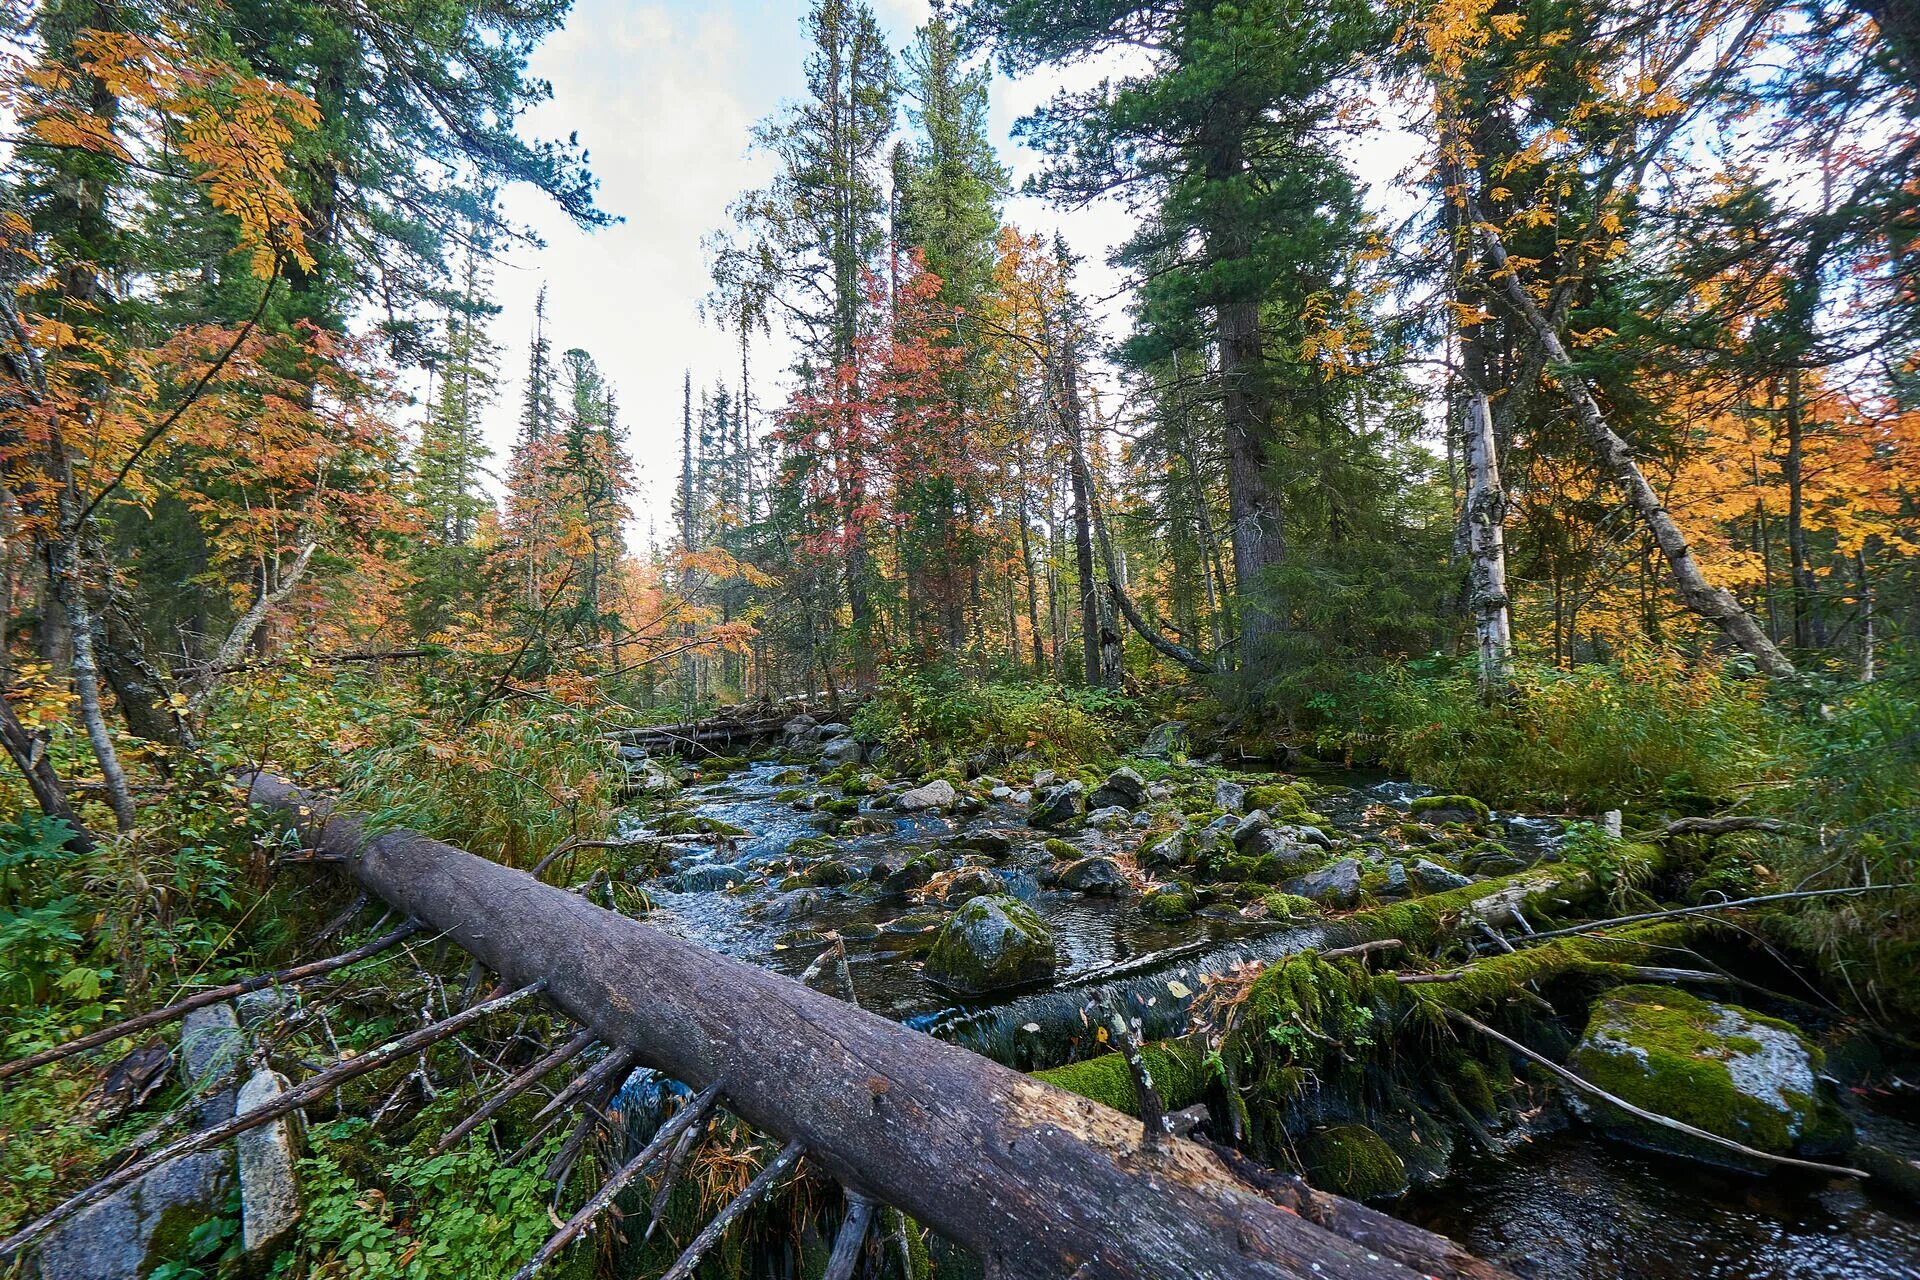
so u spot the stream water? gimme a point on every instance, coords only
(1569, 1206)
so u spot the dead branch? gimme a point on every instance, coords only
(749, 1195)
(852, 1235)
(520, 1083)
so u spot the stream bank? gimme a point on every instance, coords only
(780, 861)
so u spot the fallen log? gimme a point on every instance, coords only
(1034, 1181)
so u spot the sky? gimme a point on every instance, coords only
(663, 96)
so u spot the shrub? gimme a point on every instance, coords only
(1656, 731)
(924, 718)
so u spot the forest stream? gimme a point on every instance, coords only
(1563, 1202)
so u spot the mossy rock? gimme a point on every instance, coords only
(1444, 809)
(807, 846)
(1719, 1067)
(1059, 850)
(992, 943)
(1285, 802)
(1353, 1161)
(829, 873)
(1168, 904)
(1179, 1072)
(1288, 906)
(723, 764)
(844, 807)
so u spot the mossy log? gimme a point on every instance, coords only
(1034, 1181)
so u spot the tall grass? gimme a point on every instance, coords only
(926, 718)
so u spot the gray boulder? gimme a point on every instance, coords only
(212, 1047)
(1214, 835)
(137, 1228)
(1167, 740)
(1095, 876)
(990, 944)
(1247, 832)
(972, 883)
(1286, 847)
(938, 794)
(1230, 796)
(1109, 818)
(1123, 788)
(1719, 1067)
(1431, 877)
(1056, 806)
(708, 877)
(801, 731)
(1169, 851)
(842, 750)
(1335, 885)
(1396, 886)
(269, 1189)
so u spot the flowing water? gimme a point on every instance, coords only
(1567, 1206)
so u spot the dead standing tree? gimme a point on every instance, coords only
(1037, 1182)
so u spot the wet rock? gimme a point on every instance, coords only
(1495, 861)
(914, 931)
(138, 1228)
(212, 1047)
(1431, 877)
(793, 904)
(972, 883)
(1123, 788)
(1056, 807)
(708, 877)
(829, 873)
(992, 943)
(938, 794)
(994, 844)
(1337, 884)
(1215, 835)
(842, 750)
(269, 1190)
(1353, 1161)
(1286, 845)
(1096, 876)
(912, 876)
(1169, 903)
(1718, 1067)
(1230, 796)
(1110, 818)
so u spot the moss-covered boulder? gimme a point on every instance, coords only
(1096, 875)
(1178, 1069)
(1444, 809)
(1169, 903)
(1353, 1161)
(1718, 1067)
(992, 943)
(1057, 807)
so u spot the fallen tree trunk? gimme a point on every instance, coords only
(699, 732)
(1036, 1182)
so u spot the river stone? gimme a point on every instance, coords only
(1123, 788)
(915, 873)
(1286, 845)
(938, 794)
(1431, 877)
(1096, 876)
(1396, 885)
(801, 731)
(793, 903)
(994, 844)
(1214, 834)
(1337, 884)
(991, 943)
(841, 750)
(212, 1047)
(1230, 796)
(1110, 818)
(1056, 806)
(137, 1228)
(708, 877)
(972, 883)
(1718, 1067)
(269, 1190)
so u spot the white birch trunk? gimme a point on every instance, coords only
(1487, 550)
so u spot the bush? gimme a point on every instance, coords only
(924, 718)
(1656, 731)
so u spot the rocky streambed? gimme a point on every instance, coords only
(995, 909)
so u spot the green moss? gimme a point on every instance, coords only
(1178, 1069)
(1291, 906)
(1285, 802)
(844, 807)
(1168, 904)
(723, 764)
(1443, 804)
(1059, 850)
(1354, 1161)
(1676, 1065)
(807, 846)
(826, 874)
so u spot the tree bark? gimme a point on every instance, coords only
(1486, 549)
(1036, 1182)
(1715, 604)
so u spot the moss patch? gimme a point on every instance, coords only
(1354, 1161)
(1179, 1071)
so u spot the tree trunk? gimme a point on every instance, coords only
(1486, 540)
(1715, 604)
(1038, 1183)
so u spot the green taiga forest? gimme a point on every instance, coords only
(1032, 640)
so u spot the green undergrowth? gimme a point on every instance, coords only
(925, 718)
(1179, 1070)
